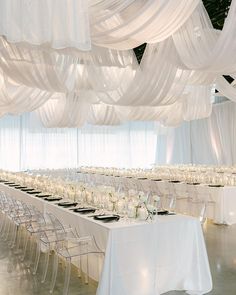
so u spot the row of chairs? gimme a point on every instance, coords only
(24, 227)
(177, 196)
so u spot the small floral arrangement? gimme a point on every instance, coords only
(151, 208)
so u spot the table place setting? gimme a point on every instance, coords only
(43, 195)
(187, 173)
(27, 190)
(53, 198)
(84, 210)
(132, 193)
(107, 217)
(34, 192)
(67, 204)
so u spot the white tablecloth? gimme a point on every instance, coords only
(225, 204)
(142, 258)
(221, 209)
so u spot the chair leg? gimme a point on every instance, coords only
(18, 240)
(46, 260)
(13, 240)
(172, 203)
(79, 267)
(54, 273)
(87, 269)
(3, 223)
(25, 247)
(202, 216)
(7, 230)
(67, 277)
(31, 250)
(3, 229)
(37, 257)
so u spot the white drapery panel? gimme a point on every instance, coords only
(64, 111)
(202, 48)
(129, 23)
(26, 144)
(16, 99)
(207, 141)
(128, 145)
(74, 111)
(62, 72)
(175, 75)
(10, 137)
(78, 23)
(52, 23)
(137, 144)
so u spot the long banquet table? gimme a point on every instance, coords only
(141, 258)
(221, 206)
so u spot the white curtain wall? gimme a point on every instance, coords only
(26, 144)
(206, 141)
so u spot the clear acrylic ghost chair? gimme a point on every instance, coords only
(110, 180)
(5, 207)
(47, 238)
(34, 229)
(204, 198)
(20, 216)
(44, 233)
(16, 215)
(155, 195)
(134, 184)
(133, 194)
(167, 195)
(115, 182)
(182, 198)
(198, 199)
(70, 246)
(11, 209)
(145, 185)
(122, 188)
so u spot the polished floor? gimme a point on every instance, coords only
(16, 278)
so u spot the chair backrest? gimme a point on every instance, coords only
(163, 187)
(204, 193)
(181, 190)
(198, 200)
(191, 190)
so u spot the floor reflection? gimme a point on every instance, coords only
(16, 278)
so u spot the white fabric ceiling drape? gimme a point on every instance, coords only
(78, 23)
(104, 84)
(52, 23)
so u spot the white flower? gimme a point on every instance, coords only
(151, 208)
(143, 198)
(156, 198)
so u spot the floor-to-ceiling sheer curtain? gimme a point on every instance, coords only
(47, 148)
(207, 141)
(128, 145)
(10, 143)
(26, 144)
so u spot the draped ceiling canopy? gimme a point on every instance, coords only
(72, 61)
